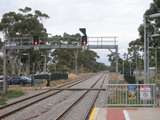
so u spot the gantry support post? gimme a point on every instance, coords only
(76, 60)
(4, 70)
(117, 59)
(146, 52)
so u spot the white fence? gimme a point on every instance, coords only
(131, 94)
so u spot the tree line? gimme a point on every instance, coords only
(135, 50)
(26, 22)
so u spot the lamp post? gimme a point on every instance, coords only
(146, 46)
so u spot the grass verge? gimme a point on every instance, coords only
(10, 95)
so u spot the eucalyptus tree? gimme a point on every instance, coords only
(137, 46)
(65, 58)
(25, 22)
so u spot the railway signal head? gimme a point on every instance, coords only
(84, 37)
(83, 30)
(35, 40)
(84, 40)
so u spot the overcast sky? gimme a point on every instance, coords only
(119, 18)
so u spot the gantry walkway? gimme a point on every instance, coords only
(93, 43)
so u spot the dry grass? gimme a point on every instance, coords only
(116, 76)
(72, 76)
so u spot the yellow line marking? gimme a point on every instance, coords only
(92, 115)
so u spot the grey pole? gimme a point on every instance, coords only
(146, 51)
(124, 55)
(130, 68)
(117, 56)
(156, 65)
(4, 69)
(123, 67)
(117, 60)
(76, 60)
(136, 63)
(45, 63)
(146, 46)
(29, 62)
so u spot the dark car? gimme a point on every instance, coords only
(2, 78)
(22, 80)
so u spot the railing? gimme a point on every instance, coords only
(93, 43)
(28, 41)
(102, 40)
(131, 94)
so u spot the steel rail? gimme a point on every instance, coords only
(77, 101)
(93, 103)
(3, 115)
(80, 89)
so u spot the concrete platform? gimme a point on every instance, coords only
(144, 114)
(125, 114)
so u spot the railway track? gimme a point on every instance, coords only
(79, 99)
(26, 102)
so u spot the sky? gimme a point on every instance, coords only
(119, 18)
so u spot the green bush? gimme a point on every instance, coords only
(130, 79)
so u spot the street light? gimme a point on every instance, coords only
(146, 46)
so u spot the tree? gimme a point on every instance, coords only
(137, 46)
(65, 58)
(1, 59)
(25, 23)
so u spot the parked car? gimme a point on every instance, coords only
(1, 77)
(22, 80)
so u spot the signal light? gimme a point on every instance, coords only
(83, 30)
(84, 40)
(35, 40)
